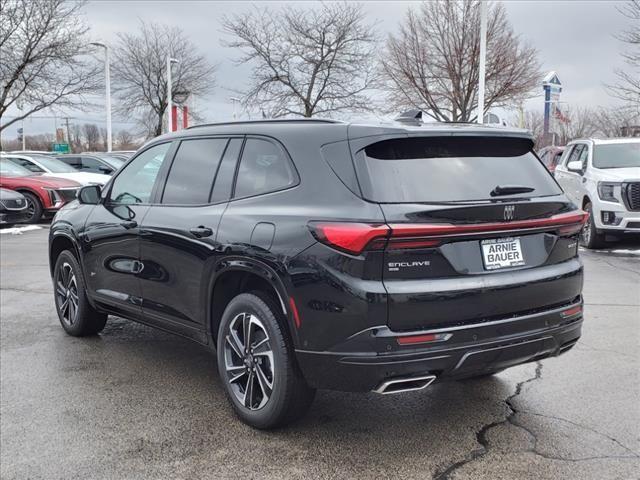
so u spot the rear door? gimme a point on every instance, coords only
(178, 238)
(474, 223)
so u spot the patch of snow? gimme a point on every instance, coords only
(19, 230)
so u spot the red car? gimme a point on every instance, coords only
(44, 195)
(550, 156)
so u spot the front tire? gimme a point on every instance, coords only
(589, 237)
(257, 365)
(34, 208)
(76, 315)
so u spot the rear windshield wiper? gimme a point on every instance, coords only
(510, 190)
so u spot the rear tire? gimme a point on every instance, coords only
(34, 208)
(589, 236)
(76, 315)
(261, 378)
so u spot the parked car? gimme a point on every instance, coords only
(550, 156)
(32, 152)
(13, 207)
(51, 166)
(92, 163)
(44, 194)
(321, 254)
(603, 177)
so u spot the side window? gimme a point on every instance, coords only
(584, 155)
(29, 165)
(190, 179)
(135, 183)
(575, 153)
(264, 168)
(72, 162)
(94, 166)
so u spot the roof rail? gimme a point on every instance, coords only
(283, 120)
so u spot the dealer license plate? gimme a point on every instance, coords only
(502, 253)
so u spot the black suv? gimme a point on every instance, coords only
(321, 254)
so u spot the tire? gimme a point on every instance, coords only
(264, 384)
(34, 208)
(76, 315)
(589, 237)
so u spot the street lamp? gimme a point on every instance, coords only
(169, 94)
(235, 101)
(107, 76)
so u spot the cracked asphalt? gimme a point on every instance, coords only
(138, 403)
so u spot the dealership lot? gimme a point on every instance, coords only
(138, 403)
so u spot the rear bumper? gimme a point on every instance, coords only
(374, 356)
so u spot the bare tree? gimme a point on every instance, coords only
(616, 121)
(306, 63)
(534, 122)
(627, 86)
(92, 136)
(124, 140)
(432, 63)
(42, 43)
(140, 72)
(579, 124)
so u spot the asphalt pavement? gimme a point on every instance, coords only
(134, 402)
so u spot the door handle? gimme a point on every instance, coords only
(128, 224)
(584, 180)
(201, 231)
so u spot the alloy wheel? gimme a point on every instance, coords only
(67, 294)
(586, 232)
(31, 208)
(248, 359)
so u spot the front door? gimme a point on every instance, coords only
(110, 239)
(178, 238)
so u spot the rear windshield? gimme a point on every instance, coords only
(450, 169)
(617, 155)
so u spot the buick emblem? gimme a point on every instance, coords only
(509, 212)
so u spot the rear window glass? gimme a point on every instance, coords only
(449, 169)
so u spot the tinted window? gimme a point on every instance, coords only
(135, 182)
(575, 153)
(617, 155)
(193, 170)
(224, 179)
(28, 164)
(9, 168)
(264, 168)
(449, 169)
(95, 166)
(72, 162)
(53, 164)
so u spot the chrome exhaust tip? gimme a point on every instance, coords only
(406, 384)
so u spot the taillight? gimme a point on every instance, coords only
(354, 238)
(350, 237)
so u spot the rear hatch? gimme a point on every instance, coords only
(478, 229)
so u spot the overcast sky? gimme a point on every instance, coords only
(574, 38)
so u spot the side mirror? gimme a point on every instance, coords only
(89, 195)
(575, 166)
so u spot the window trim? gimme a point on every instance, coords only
(278, 144)
(106, 192)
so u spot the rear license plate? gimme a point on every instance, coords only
(502, 253)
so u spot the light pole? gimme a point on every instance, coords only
(235, 101)
(169, 94)
(107, 76)
(483, 57)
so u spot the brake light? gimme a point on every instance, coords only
(427, 338)
(570, 312)
(349, 237)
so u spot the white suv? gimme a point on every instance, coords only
(603, 177)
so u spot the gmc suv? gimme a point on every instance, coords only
(321, 254)
(603, 176)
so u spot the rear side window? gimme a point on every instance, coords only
(449, 169)
(192, 172)
(95, 166)
(264, 168)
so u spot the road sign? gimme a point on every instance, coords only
(61, 148)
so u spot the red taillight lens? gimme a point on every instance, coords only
(427, 338)
(350, 237)
(570, 312)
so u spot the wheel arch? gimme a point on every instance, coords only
(242, 275)
(585, 200)
(59, 242)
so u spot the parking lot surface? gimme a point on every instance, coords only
(134, 402)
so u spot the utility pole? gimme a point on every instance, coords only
(483, 58)
(66, 121)
(169, 94)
